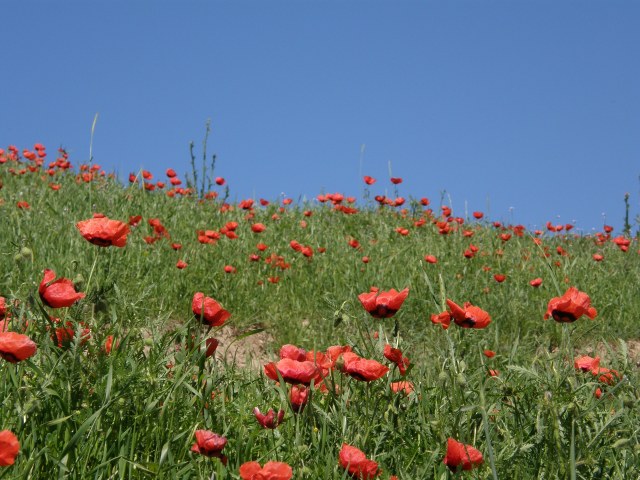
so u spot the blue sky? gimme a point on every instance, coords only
(528, 110)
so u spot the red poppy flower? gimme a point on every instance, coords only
(258, 228)
(383, 304)
(270, 420)
(570, 307)
(57, 293)
(3, 308)
(470, 316)
(587, 363)
(430, 259)
(293, 352)
(403, 386)
(292, 371)
(478, 215)
(606, 375)
(220, 181)
(15, 347)
(489, 353)
(536, 282)
(64, 336)
(298, 397)
(108, 344)
(460, 456)
(362, 369)
(443, 319)
(9, 448)
(395, 355)
(369, 180)
(209, 444)
(597, 257)
(622, 243)
(270, 471)
(208, 310)
(356, 463)
(499, 277)
(396, 180)
(104, 232)
(211, 345)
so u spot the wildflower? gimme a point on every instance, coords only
(597, 257)
(622, 243)
(396, 180)
(57, 293)
(363, 369)
(478, 215)
(356, 463)
(293, 371)
(211, 346)
(369, 180)
(536, 282)
(443, 319)
(430, 259)
(9, 448)
(293, 352)
(402, 386)
(3, 308)
(258, 228)
(460, 456)
(498, 277)
(395, 355)
(383, 304)
(209, 444)
(606, 375)
(298, 397)
(489, 353)
(270, 420)
(181, 264)
(469, 316)
(63, 336)
(108, 344)
(587, 363)
(571, 306)
(15, 347)
(208, 310)
(104, 232)
(353, 243)
(270, 471)
(220, 181)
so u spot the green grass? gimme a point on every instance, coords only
(80, 413)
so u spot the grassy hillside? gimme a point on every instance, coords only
(80, 412)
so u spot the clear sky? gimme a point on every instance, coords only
(528, 110)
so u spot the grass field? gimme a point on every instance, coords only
(81, 410)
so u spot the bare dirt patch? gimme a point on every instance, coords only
(250, 351)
